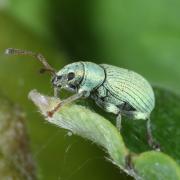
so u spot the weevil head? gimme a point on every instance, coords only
(69, 77)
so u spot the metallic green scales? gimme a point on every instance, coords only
(93, 76)
(128, 86)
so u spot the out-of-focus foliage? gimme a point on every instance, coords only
(156, 165)
(33, 14)
(15, 158)
(140, 35)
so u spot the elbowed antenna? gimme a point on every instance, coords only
(38, 56)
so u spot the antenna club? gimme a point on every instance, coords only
(9, 51)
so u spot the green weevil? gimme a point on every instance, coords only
(116, 90)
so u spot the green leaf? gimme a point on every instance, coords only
(158, 166)
(88, 124)
(82, 121)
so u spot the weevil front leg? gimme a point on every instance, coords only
(56, 92)
(135, 115)
(65, 102)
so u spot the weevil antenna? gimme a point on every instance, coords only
(43, 70)
(38, 56)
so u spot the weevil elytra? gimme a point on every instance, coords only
(116, 90)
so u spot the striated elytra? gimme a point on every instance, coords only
(116, 90)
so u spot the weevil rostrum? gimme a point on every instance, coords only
(116, 90)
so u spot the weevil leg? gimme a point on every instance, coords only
(56, 92)
(149, 132)
(64, 102)
(135, 115)
(118, 121)
(111, 108)
(152, 143)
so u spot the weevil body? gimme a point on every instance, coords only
(116, 90)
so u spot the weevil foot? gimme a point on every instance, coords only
(154, 145)
(157, 147)
(56, 108)
(50, 114)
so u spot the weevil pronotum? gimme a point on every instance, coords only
(116, 90)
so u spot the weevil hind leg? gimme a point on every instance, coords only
(111, 108)
(118, 121)
(152, 143)
(135, 115)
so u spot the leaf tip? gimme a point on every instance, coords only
(44, 103)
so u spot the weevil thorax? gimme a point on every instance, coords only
(79, 76)
(93, 77)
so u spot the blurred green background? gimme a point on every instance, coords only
(140, 35)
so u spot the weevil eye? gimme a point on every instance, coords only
(59, 77)
(70, 76)
(72, 86)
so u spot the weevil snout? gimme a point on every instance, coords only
(62, 81)
(57, 81)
